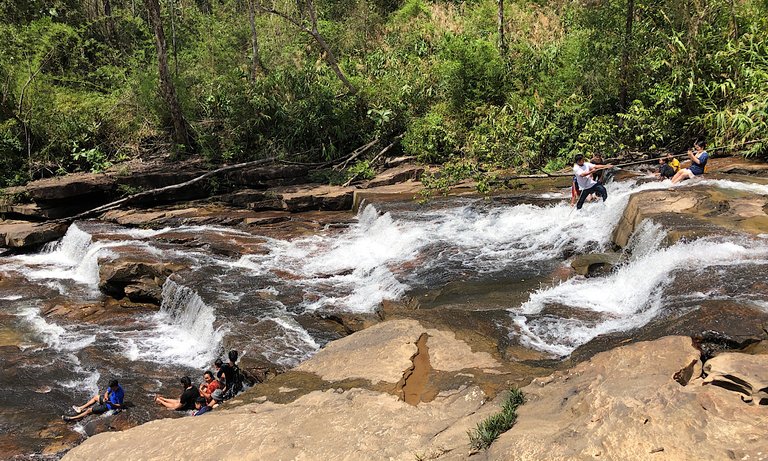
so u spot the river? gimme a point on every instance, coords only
(457, 253)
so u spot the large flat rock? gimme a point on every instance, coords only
(22, 234)
(354, 425)
(384, 351)
(645, 401)
(694, 211)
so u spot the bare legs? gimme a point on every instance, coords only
(87, 404)
(170, 404)
(685, 173)
(79, 415)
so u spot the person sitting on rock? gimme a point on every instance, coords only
(99, 404)
(230, 374)
(698, 163)
(217, 397)
(201, 407)
(666, 170)
(186, 400)
(209, 385)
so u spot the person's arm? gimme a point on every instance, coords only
(594, 168)
(693, 157)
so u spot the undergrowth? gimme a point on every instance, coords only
(493, 426)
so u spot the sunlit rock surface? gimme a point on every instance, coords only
(645, 401)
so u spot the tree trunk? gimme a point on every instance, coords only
(309, 14)
(625, 55)
(110, 23)
(172, 8)
(256, 64)
(502, 39)
(180, 133)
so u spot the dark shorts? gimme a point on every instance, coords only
(99, 409)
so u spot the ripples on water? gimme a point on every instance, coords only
(257, 302)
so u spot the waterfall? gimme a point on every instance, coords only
(187, 311)
(628, 298)
(184, 330)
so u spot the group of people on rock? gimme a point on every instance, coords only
(223, 384)
(589, 177)
(226, 383)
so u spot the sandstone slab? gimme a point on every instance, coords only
(399, 174)
(384, 351)
(645, 401)
(23, 234)
(353, 425)
(694, 211)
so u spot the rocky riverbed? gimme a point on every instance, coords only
(403, 325)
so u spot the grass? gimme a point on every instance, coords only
(493, 426)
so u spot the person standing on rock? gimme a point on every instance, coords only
(186, 400)
(99, 404)
(698, 163)
(583, 171)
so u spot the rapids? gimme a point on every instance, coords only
(265, 302)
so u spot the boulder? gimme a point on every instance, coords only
(23, 234)
(142, 279)
(644, 401)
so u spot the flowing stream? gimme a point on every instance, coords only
(468, 254)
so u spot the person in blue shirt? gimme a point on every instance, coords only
(698, 163)
(201, 407)
(111, 400)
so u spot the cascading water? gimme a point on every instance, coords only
(182, 332)
(447, 256)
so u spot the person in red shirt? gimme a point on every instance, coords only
(208, 385)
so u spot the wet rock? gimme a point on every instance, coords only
(352, 322)
(144, 278)
(632, 402)
(596, 263)
(694, 212)
(23, 234)
(715, 325)
(397, 192)
(146, 290)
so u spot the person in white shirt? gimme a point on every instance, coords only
(583, 171)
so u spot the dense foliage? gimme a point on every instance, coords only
(79, 80)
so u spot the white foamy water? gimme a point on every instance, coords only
(357, 269)
(74, 257)
(182, 332)
(628, 298)
(53, 335)
(290, 345)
